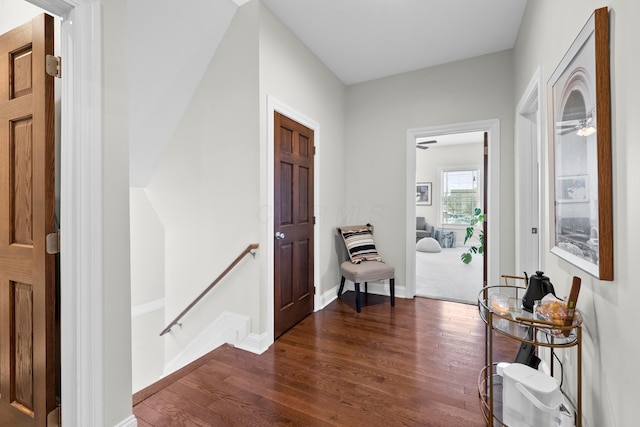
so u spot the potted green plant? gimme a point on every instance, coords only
(478, 217)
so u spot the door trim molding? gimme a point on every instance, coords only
(267, 201)
(81, 183)
(81, 221)
(493, 198)
(530, 102)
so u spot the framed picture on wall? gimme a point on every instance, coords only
(580, 152)
(423, 193)
(572, 189)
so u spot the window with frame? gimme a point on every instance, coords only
(460, 195)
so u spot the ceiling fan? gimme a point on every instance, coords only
(582, 127)
(423, 145)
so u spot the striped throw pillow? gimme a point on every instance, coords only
(360, 245)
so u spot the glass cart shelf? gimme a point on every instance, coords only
(511, 320)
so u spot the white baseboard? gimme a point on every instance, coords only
(228, 328)
(255, 343)
(130, 421)
(327, 298)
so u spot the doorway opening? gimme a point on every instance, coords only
(452, 167)
(530, 226)
(492, 184)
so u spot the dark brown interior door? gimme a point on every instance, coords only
(28, 355)
(293, 214)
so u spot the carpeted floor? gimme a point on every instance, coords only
(444, 276)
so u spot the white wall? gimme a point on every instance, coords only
(610, 371)
(115, 215)
(147, 250)
(165, 70)
(147, 290)
(206, 196)
(293, 75)
(147, 351)
(205, 188)
(429, 164)
(378, 116)
(16, 12)
(162, 92)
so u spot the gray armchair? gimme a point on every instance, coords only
(423, 228)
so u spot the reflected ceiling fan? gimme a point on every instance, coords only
(582, 127)
(423, 145)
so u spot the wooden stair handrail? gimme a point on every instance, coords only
(248, 250)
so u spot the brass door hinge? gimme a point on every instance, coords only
(54, 418)
(53, 243)
(53, 65)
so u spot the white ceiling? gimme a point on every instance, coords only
(362, 40)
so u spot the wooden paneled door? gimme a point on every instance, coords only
(29, 359)
(294, 223)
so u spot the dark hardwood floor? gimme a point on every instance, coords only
(416, 364)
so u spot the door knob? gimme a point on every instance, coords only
(279, 235)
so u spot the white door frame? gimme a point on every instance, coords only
(81, 259)
(493, 196)
(529, 134)
(267, 237)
